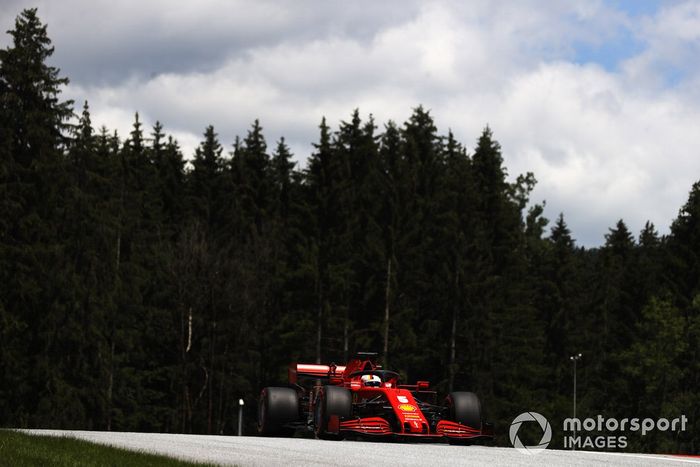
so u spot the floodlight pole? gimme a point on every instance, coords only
(574, 358)
(240, 416)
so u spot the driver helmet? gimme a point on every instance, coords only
(371, 380)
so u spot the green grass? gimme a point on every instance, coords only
(20, 450)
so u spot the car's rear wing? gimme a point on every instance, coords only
(305, 371)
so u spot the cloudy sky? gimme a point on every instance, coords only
(601, 100)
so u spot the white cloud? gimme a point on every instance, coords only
(604, 144)
(600, 151)
(672, 40)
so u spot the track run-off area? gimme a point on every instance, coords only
(248, 451)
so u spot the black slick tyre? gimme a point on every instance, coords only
(276, 408)
(331, 401)
(465, 408)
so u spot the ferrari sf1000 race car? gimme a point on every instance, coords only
(362, 399)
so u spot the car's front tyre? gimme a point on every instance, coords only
(465, 408)
(331, 401)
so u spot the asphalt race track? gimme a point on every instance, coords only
(254, 451)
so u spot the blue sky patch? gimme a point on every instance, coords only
(639, 7)
(624, 43)
(611, 52)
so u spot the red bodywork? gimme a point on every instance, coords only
(407, 410)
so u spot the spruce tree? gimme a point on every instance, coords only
(282, 167)
(254, 189)
(416, 258)
(33, 126)
(457, 198)
(320, 214)
(390, 219)
(559, 303)
(684, 249)
(205, 179)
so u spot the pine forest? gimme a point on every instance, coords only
(143, 289)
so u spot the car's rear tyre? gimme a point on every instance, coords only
(331, 401)
(276, 408)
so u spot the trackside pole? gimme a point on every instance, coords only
(240, 416)
(574, 358)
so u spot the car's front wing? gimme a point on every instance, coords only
(445, 429)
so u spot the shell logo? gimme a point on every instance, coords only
(407, 408)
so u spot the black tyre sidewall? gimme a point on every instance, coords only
(465, 408)
(337, 401)
(331, 400)
(277, 407)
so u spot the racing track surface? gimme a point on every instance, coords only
(253, 451)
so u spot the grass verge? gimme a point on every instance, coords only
(23, 450)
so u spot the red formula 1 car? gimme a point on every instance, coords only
(363, 399)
